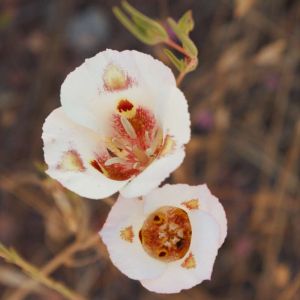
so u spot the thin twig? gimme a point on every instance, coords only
(175, 46)
(13, 257)
(55, 263)
(191, 60)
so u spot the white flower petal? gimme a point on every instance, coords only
(176, 195)
(153, 175)
(68, 150)
(78, 96)
(211, 204)
(176, 118)
(85, 100)
(129, 256)
(204, 248)
(142, 68)
(96, 113)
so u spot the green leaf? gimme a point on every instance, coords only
(178, 63)
(187, 43)
(130, 26)
(186, 22)
(146, 21)
(152, 32)
(142, 27)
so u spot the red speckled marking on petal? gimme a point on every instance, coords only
(71, 161)
(189, 262)
(115, 79)
(127, 234)
(191, 204)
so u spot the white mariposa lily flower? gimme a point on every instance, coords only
(122, 126)
(168, 239)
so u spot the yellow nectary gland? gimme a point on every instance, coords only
(166, 234)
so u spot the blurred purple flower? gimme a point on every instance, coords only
(272, 81)
(204, 120)
(243, 246)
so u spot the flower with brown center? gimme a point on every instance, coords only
(166, 233)
(169, 239)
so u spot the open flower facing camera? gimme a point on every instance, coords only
(169, 239)
(122, 126)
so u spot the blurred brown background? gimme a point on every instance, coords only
(244, 104)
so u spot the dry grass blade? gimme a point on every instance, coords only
(56, 262)
(11, 256)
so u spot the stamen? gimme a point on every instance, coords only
(136, 141)
(114, 160)
(157, 140)
(141, 155)
(111, 146)
(128, 127)
(118, 143)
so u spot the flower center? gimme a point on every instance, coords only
(166, 234)
(136, 142)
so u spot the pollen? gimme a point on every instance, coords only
(71, 161)
(115, 79)
(189, 262)
(191, 204)
(127, 234)
(166, 234)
